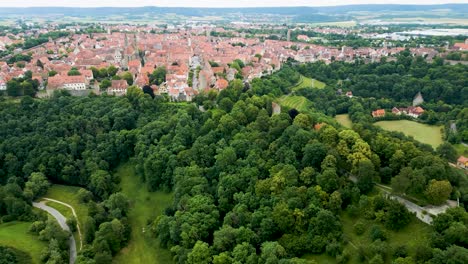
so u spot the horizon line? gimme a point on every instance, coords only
(238, 7)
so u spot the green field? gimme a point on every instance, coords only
(427, 134)
(299, 102)
(344, 120)
(15, 235)
(145, 206)
(306, 82)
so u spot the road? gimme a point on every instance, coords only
(422, 213)
(74, 214)
(62, 222)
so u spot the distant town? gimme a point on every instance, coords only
(182, 61)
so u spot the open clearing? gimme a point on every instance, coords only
(306, 82)
(15, 234)
(344, 120)
(423, 133)
(144, 206)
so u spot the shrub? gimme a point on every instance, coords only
(376, 232)
(359, 228)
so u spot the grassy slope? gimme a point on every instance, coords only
(15, 234)
(344, 120)
(299, 102)
(306, 82)
(424, 133)
(416, 233)
(67, 194)
(145, 206)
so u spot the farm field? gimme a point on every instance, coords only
(15, 234)
(344, 120)
(144, 206)
(423, 133)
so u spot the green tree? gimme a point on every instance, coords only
(37, 184)
(200, 254)
(438, 192)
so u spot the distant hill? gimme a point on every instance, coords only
(326, 13)
(459, 8)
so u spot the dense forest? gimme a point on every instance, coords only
(249, 186)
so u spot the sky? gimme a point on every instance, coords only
(210, 3)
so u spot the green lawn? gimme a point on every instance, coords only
(306, 82)
(15, 235)
(299, 102)
(344, 120)
(145, 206)
(427, 134)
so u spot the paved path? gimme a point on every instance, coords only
(422, 213)
(62, 222)
(74, 214)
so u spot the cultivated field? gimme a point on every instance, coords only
(427, 134)
(15, 234)
(344, 120)
(144, 206)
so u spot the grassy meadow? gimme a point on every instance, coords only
(69, 195)
(423, 133)
(344, 120)
(299, 102)
(306, 82)
(144, 207)
(15, 234)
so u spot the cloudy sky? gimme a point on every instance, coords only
(211, 3)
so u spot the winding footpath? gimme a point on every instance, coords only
(62, 222)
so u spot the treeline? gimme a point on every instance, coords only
(395, 84)
(400, 80)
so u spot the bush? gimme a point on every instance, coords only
(359, 228)
(71, 222)
(377, 233)
(84, 196)
(333, 249)
(400, 251)
(377, 259)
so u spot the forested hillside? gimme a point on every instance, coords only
(249, 186)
